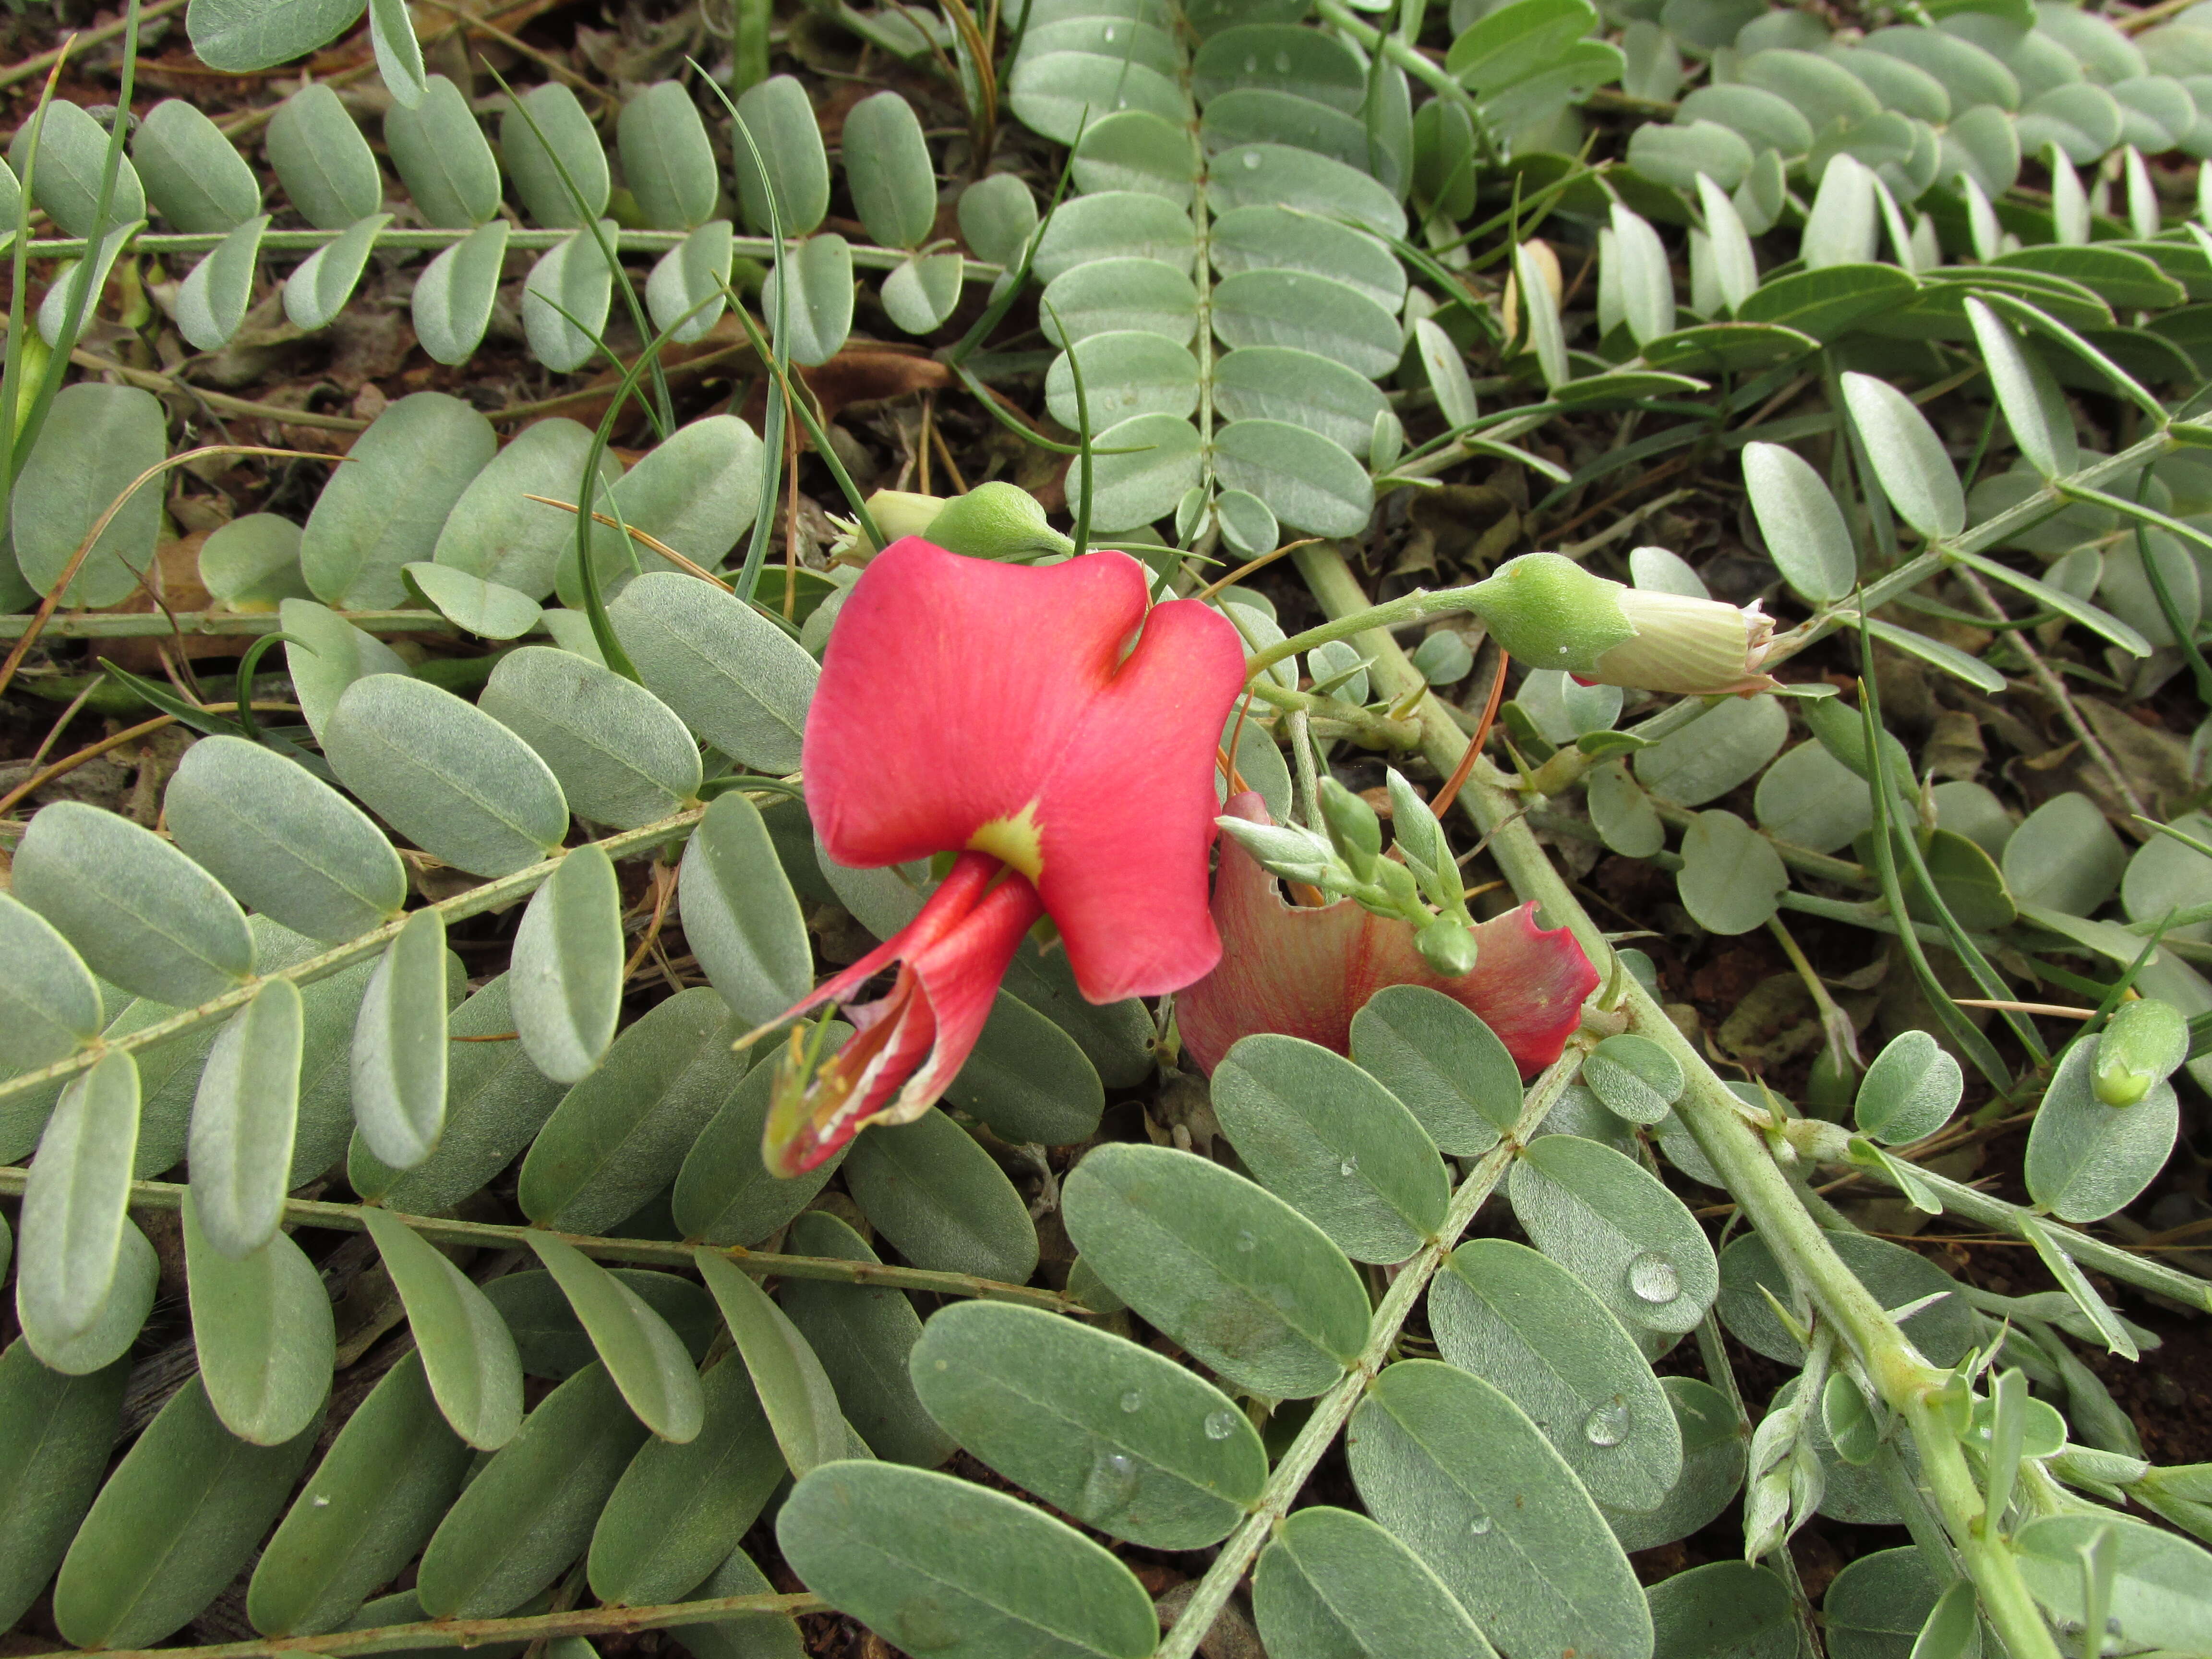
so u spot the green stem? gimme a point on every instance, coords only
(492, 896)
(470, 1632)
(1371, 730)
(765, 1264)
(108, 625)
(1714, 1116)
(1331, 1411)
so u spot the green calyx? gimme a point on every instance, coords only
(1548, 611)
(996, 520)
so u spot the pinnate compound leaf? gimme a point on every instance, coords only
(1316, 1130)
(245, 1117)
(174, 1523)
(1237, 1277)
(400, 1077)
(371, 1504)
(896, 1548)
(141, 914)
(647, 1359)
(1524, 1324)
(1613, 1226)
(49, 1000)
(283, 841)
(467, 1352)
(1456, 1471)
(446, 775)
(795, 1392)
(565, 983)
(679, 1510)
(1334, 1585)
(56, 1433)
(1109, 1432)
(942, 1201)
(529, 1513)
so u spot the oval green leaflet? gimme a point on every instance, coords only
(892, 1547)
(468, 1355)
(1109, 1432)
(1238, 1277)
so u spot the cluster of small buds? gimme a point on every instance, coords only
(1345, 859)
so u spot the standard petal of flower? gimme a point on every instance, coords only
(1128, 815)
(950, 688)
(1305, 971)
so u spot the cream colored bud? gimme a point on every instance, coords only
(1689, 647)
(897, 512)
(1539, 253)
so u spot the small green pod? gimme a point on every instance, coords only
(2143, 1041)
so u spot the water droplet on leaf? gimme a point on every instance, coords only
(1109, 1487)
(1220, 1424)
(1251, 160)
(1608, 1424)
(1132, 1401)
(1652, 1277)
(1478, 1523)
(1350, 1166)
(1245, 1241)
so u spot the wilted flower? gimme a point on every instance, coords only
(1060, 736)
(1549, 613)
(1305, 971)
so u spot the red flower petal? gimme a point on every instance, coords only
(959, 694)
(1305, 971)
(909, 1045)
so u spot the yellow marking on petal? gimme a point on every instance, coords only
(1015, 841)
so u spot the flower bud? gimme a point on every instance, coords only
(1293, 854)
(996, 520)
(2143, 1041)
(897, 512)
(1353, 826)
(1691, 647)
(1447, 947)
(1549, 613)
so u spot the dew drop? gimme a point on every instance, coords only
(1246, 1243)
(1652, 1277)
(1350, 1166)
(1251, 64)
(1109, 1487)
(1132, 1401)
(1282, 63)
(321, 1502)
(1608, 1424)
(1251, 160)
(1478, 1523)
(1112, 33)
(1220, 1424)
(1121, 103)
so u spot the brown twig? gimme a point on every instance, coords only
(660, 547)
(69, 763)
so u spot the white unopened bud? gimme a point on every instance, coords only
(1690, 647)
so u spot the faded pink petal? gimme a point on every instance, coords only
(1306, 970)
